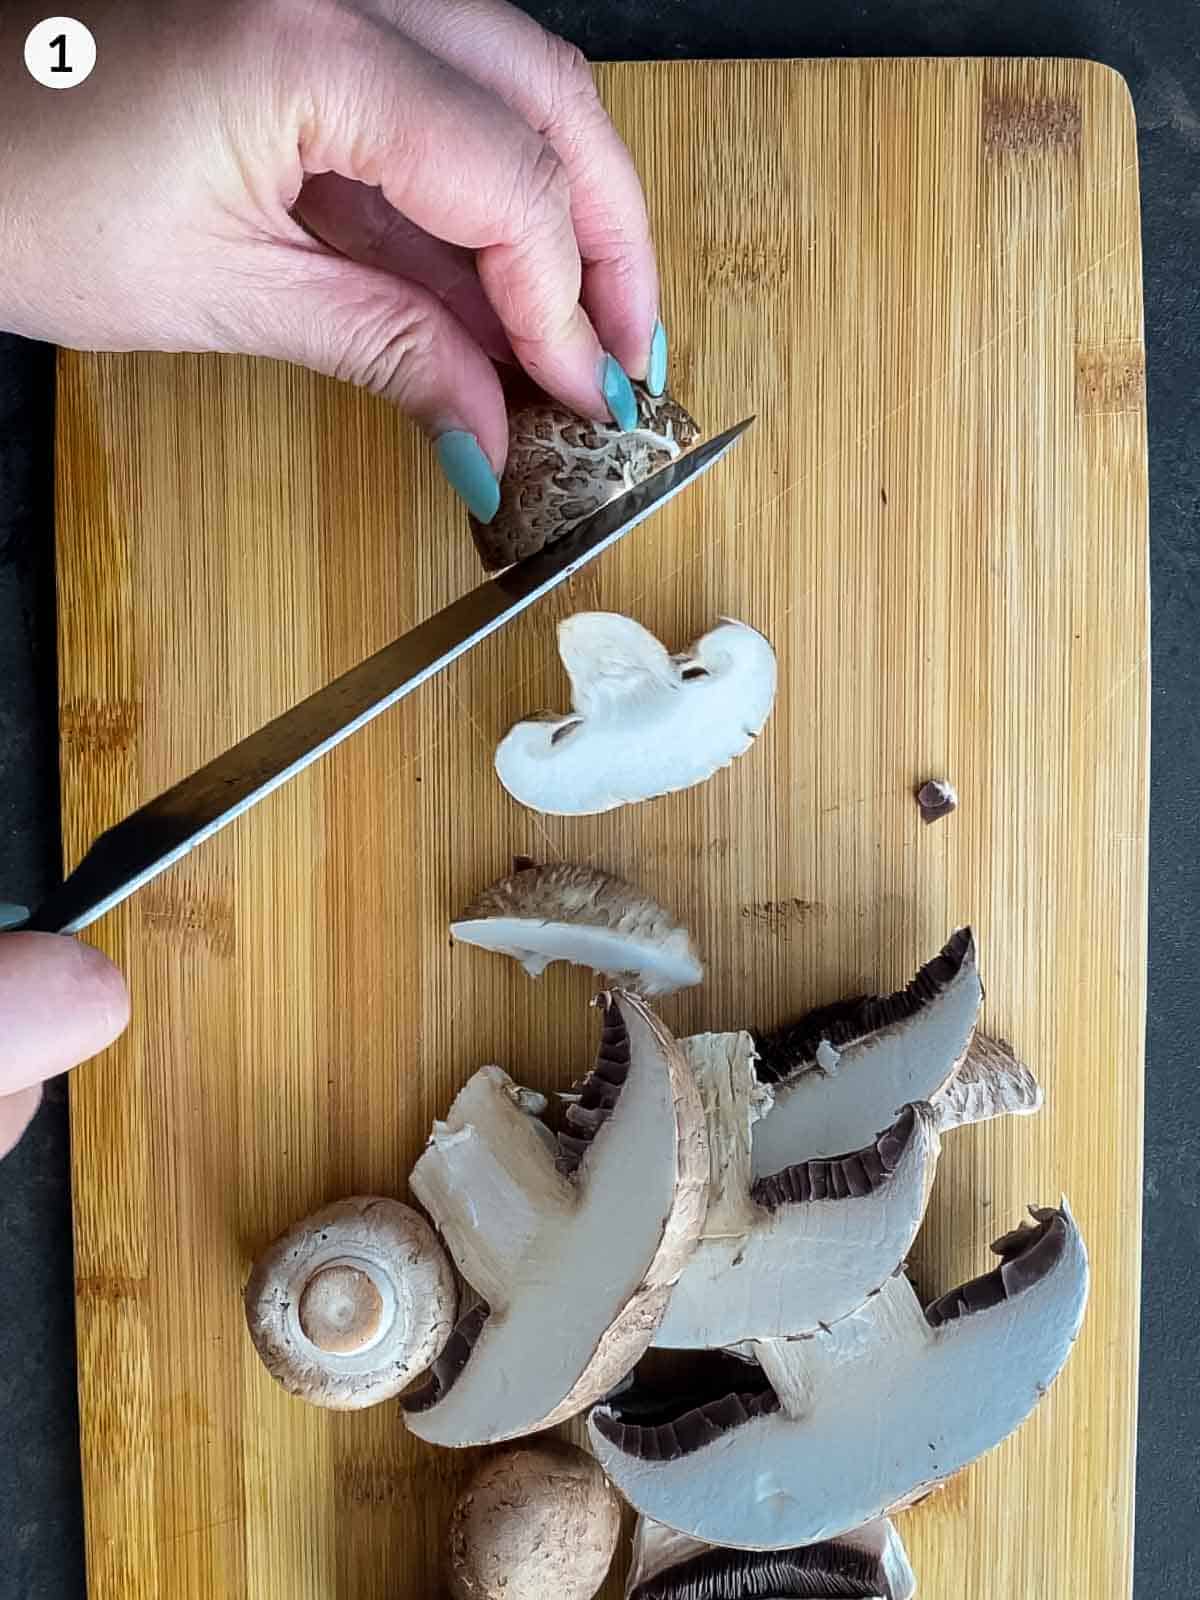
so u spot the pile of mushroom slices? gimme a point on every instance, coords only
(754, 1194)
(744, 1203)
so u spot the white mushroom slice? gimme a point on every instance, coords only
(867, 1416)
(891, 1050)
(644, 722)
(870, 1562)
(590, 918)
(574, 1259)
(806, 1245)
(537, 1519)
(349, 1305)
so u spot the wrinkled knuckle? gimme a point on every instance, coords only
(571, 73)
(546, 193)
(389, 354)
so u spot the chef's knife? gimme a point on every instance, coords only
(161, 832)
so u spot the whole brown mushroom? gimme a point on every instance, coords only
(347, 1306)
(537, 1520)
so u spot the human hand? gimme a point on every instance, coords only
(474, 201)
(60, 1002)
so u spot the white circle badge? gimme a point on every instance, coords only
(60, 52)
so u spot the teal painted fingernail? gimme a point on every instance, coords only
(618, 394)
(12, 916)
(470, 473)
(656, 372)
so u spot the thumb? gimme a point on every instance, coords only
(388, 335)
(17, 1111)
(60, 1002)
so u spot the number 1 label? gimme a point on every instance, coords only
(60, 52)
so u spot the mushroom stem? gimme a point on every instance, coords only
(341, 1308)
(801, 1369)
(486, 1182)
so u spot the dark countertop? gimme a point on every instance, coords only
(1156, 45)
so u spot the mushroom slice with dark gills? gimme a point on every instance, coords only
(868, 1562)
(573, 1252)
(808, 1244)
(843, 1070)
(562, 467)
(873, 1412)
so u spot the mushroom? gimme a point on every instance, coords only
(562, 467)
(643, 723)
(537, 1519)
(868, 1562)
(573, 1259)
(580, 914)
(865, 1417)
(806, 1245)
(991, 1082)
(348, 1305)
(890, 1050)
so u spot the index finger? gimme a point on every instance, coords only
(462, 165)
(550, 84)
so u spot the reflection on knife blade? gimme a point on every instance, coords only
(164, 830)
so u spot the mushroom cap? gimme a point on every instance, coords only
(350, 1304)
(536, 1520)
(562, 467)
(579, 914)
(644, 723)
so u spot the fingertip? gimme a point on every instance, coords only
(103, 992)
(61, 1002)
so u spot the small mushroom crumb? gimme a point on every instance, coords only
(936, 798)
(535, 1520)
(828, 1057)
(348, 1305)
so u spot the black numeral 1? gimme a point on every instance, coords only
(60, 44)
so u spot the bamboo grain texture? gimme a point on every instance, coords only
(925, 279)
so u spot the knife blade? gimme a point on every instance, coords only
(158, 834)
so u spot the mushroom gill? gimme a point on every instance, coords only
(793, 1049)
(859, 1173)
(1027, 1255)
(600, 1090)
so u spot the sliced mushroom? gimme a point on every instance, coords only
(920, 1043)
(869, 1562)
(891, 1049)
(869, 1414)
(536, 1520)
(588, 917)
(991, 1082)
(806, 1245)
(573, 1259)
(562, 467)
(643, 723)
(349, 1305)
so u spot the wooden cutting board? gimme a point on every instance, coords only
(925, 278)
